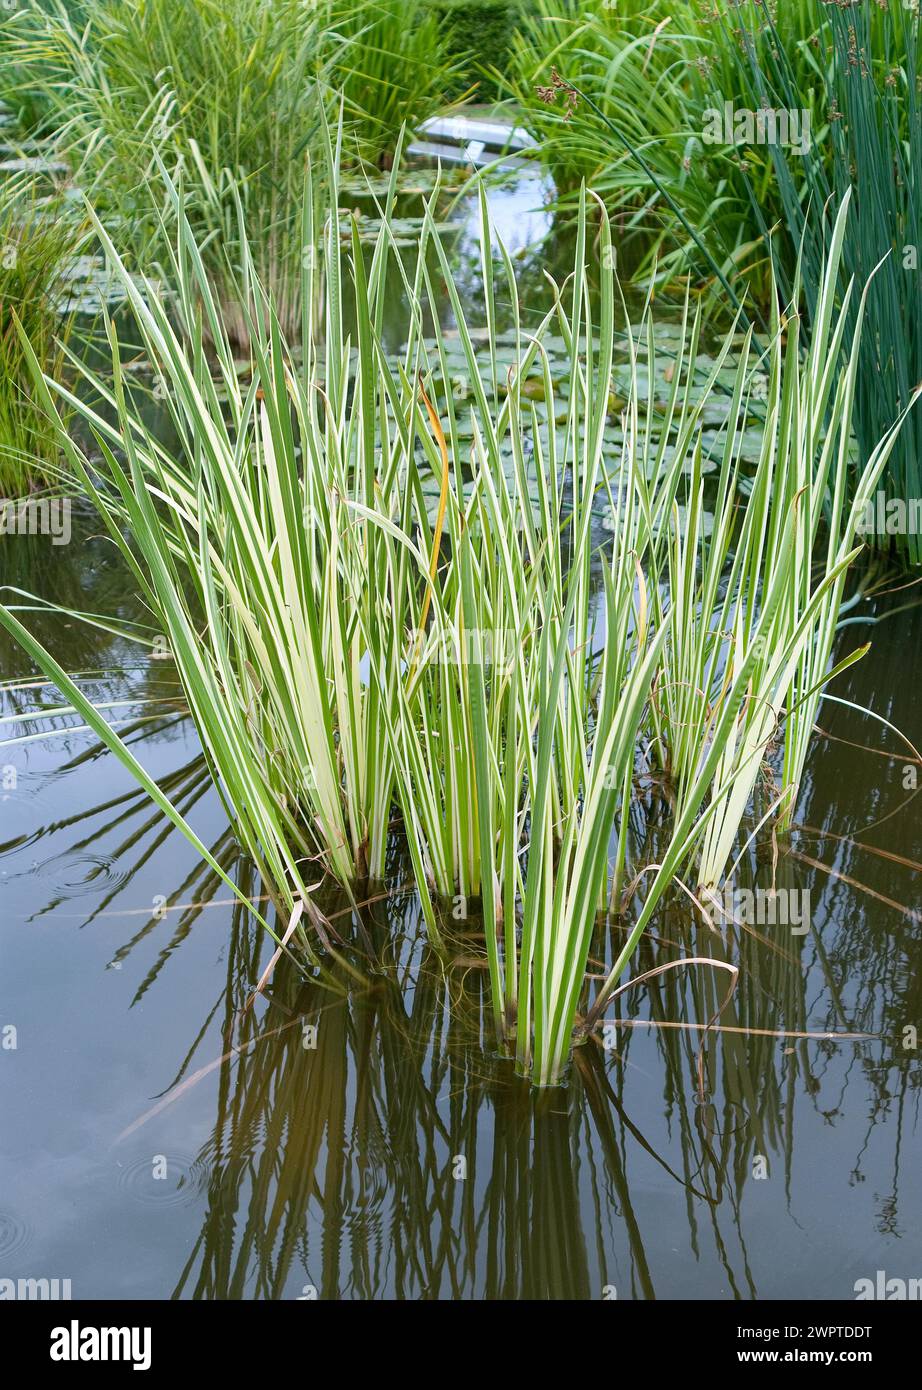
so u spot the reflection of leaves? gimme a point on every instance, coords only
(712, 1125)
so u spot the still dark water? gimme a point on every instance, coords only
(346, 1140)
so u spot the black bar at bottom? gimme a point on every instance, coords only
(155, 1339)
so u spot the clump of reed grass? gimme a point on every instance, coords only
(392, 70)
(800, 530)
(873, 148)
(370, 618)
(37, 243)
(227, 96)
(646, 74)
(230, 99)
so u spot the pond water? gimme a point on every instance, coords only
(361, 1138)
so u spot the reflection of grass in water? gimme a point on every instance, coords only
(355, 1139)
(398, 1076)
(231, 98)
(83, 577)
(389, 1080)
(869, 956)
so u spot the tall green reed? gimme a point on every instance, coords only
(867, 138)
(38, 243)
(800, 531)
(392, 69)
(620, 96)
(231, 98)
(227, 96)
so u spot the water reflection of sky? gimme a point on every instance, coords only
(520, 213)
(522, 221)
